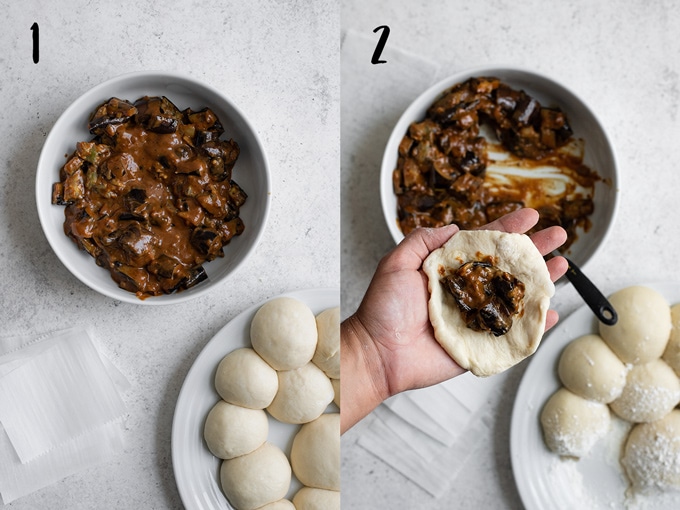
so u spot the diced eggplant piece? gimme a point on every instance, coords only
(237, 195)
(207, 242)
(158, 114)
(74, 186)
(58, 194)
(114, 111)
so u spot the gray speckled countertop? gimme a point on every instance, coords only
(622, 59)
(279, 62)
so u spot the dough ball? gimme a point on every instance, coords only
(590, 369)
(481, 351)
(309, 498)
(231, 430)
(256, 479)
(651, 391)
(282, 504)
(651, 456)
(643, 327)
(672, 353)
(283, 332)
(336, 390)
(304, 393)
(243, 378)
(571, 424)
(315, 454)
(327, 354)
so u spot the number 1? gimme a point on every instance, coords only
(36, 42)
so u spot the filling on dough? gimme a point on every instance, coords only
(487, 297)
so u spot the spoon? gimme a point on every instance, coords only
(602, 309)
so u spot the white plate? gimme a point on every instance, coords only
(251, 173)
(196, 469)
(543, 479)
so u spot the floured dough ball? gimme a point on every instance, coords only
(310, 498)
(256, 479)
(231, 430)
(672, 353)
(243, 378)
(590, 369)
(283, 332)
(652, 454)
(304, 393)
(651, 391)
(572, 425)
(282, 504)
(336, 390)
(315, 454)
(643, 326)
(471, 325)
(327, 354)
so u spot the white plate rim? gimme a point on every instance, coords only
(531, 460)
(195, 470)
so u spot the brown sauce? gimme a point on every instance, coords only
(488, 298)
(450, 169)
(150, 197)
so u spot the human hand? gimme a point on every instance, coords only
(392, 325)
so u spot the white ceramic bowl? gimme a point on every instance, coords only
(599, 153)
(251, 173)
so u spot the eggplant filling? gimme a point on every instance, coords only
(488, 298)
(151, 197)
(441, 174)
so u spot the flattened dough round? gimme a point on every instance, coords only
(256, 479)
(481, 352)
(590, 369)
(652, 390)
(572, 424)
(230, 430)
(243, 378)
(304, 393)
(283, 332)
(651, 456)
(643, 327)
(672, 353)
(327, 354)
(310, 498)
(315, 454)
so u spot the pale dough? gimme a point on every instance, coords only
(309, 498)
(282, 504)
(672, 353)
(315, 454)
(572, 425)
(327, 354)
(243, 378)
(589, 368)
(336, 390)
(256, 479)
(231, 430)
(652, 454)
(481, 352)
(643, 327)
(283, 332)
(304, 393)
(651, 391)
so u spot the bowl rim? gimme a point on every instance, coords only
(429, 95)
(192, 83)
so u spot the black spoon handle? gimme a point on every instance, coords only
(603, 310)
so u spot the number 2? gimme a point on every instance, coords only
(381, 44)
